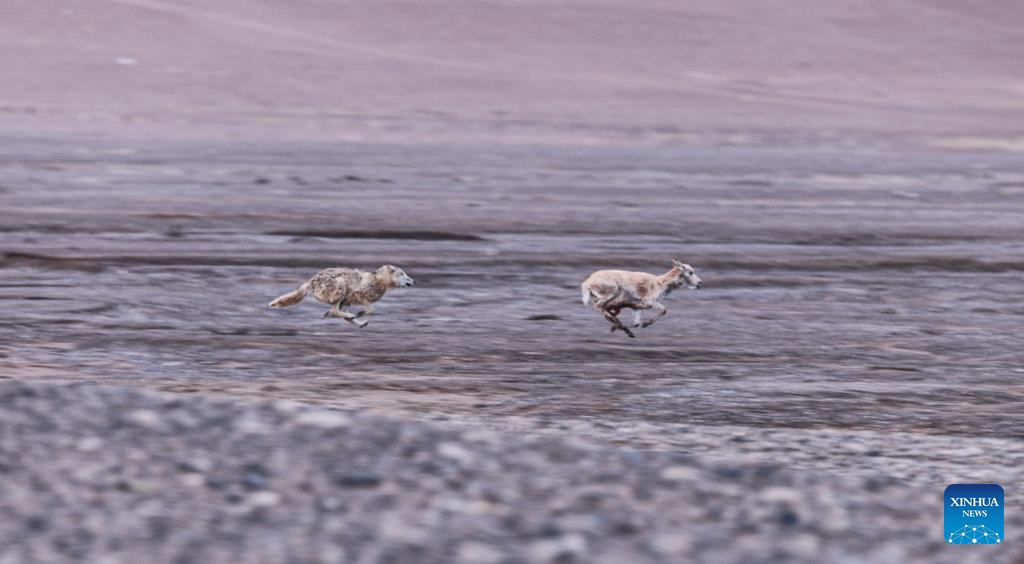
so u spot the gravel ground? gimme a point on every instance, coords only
(109, 474)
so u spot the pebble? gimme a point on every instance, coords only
(264, 498)
(671, 543)
(395, 528)
(323, 419)
(457, 453)
(557, 549)
(680, 474)
(193, 479)
(358, 480)
(143, 417)
(779, 494)
(478, 553)
(89, 444)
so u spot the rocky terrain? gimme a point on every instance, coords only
(114, 475)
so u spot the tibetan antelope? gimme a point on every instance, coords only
(615, 290)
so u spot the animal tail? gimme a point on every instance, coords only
(291, 298)
(586, 295)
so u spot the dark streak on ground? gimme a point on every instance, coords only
(353, 234)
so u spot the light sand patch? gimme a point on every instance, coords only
(975, 143)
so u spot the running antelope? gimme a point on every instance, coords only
(615, 290)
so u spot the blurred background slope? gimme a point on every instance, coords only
(917, 66)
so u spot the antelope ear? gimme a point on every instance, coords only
(676, 263)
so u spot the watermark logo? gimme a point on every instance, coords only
(974, 514)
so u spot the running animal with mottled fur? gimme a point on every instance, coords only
(615, 290)
(343, 287)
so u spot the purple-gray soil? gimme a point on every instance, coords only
(847, 179)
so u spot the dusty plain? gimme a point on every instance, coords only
(848, 180)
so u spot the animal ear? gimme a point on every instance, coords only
(676, 263)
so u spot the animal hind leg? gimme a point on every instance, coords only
(616, 324)
(354, 320)
(615, 313)
(335, 310)
(604, 302)
(365, 312)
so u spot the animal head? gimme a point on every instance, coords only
(686, 275)
(397, 276)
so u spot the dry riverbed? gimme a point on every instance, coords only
(858, 335)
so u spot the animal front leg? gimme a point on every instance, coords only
(352, 318)
(637, 319)
(616, 324)
(662, 310)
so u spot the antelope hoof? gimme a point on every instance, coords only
(328, 314)
(362, 323)
(630, 333)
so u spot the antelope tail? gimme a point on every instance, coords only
(586, 296)
(291, 298)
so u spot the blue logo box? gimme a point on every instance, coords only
(974, 514)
